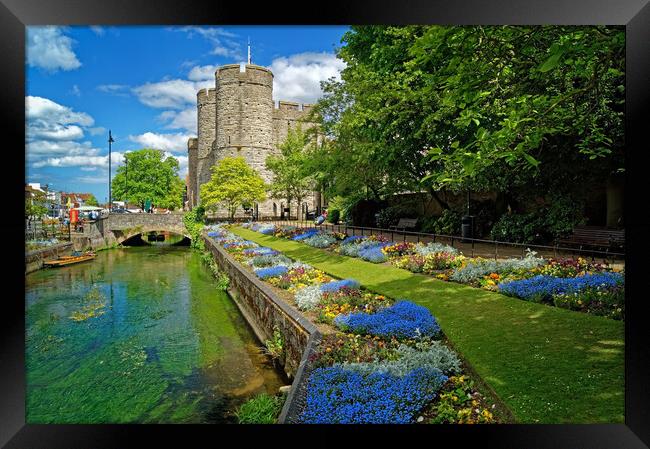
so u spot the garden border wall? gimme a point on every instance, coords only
(264, 310)
(34, 259)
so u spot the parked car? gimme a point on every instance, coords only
(120, 210)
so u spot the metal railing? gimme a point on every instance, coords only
(36, 230)
(468, 246)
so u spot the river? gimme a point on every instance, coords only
(138, 335)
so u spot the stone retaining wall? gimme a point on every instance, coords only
(264, 311)
(34, 259)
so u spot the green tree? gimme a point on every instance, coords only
(151, 176)
(35, 205)
(291, 181)
(233, 184)
(92, 201)
(516, 109)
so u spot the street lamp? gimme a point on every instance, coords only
(110, 194)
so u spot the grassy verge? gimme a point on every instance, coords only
(548, 365)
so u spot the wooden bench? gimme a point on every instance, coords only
(596, 237)
(405, 223)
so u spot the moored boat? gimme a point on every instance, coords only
(69, 260)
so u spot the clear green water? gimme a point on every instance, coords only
(138, 335)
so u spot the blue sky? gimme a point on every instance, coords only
(141, 83)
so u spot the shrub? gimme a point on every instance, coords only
(338, 395)
(542, 288)
(333, 216)
(308, 297)
(448, 223)
(519, 228)
(404, 319)
(264, 273)
(387, 217)
(262, 409)
(428, 355)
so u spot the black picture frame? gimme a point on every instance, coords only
(633, 14)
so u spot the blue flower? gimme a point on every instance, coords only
(334, 286)
(403, 319)
(309, 233)
(352, 238)
(342, 396)
(264, 273)
(542, 288)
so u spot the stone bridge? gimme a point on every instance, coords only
(121, 227)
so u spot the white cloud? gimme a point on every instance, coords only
(224, 43)
(99, 31)
(39, 108)
(97, 130)
(119, 90)
(88, 168)
(80, 161)
(50, 49)
(97, 179)
(297, 77)
(185, 119)
(54, 129)
(75, 91)
(173, 94)
(175, 143)
(202, 73)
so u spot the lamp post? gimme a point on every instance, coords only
(110, 194)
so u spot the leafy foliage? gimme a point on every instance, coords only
(233, 184)
(290, 179)
(152, 176)
(261, 409)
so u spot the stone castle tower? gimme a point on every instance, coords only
(239, 118)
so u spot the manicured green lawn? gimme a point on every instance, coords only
(548, 365)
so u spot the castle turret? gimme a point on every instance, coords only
(206, 118)
(245, 115)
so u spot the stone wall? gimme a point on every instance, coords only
(206, 128)
(34, 259)
(265, 311)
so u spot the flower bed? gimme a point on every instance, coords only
(381, 362)
(445, 263)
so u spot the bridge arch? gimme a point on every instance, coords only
(126, 226)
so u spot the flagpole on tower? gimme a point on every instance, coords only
(249, 50)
